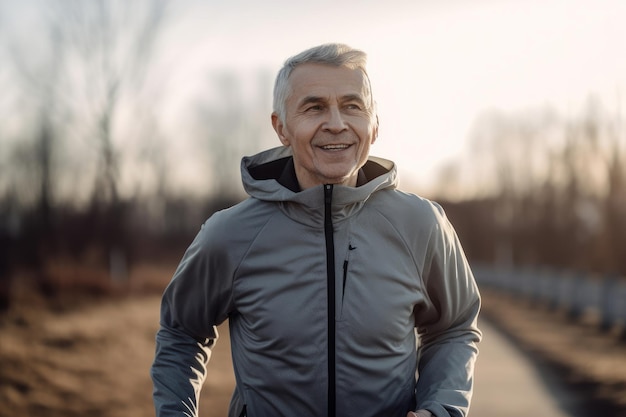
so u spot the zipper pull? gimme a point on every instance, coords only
(328, 193)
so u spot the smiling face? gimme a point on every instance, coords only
(329, 123)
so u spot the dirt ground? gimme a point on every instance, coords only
(95, 360)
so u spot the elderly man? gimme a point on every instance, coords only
(344, 296)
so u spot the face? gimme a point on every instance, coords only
(329, 124)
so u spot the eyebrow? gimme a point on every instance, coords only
(310, 99)
(353, 97)
(318, 99)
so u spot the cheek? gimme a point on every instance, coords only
(302, 136)
(291, 137)
(367, 130)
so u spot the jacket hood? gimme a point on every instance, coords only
(270, 176)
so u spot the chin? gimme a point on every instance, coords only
(339, 179)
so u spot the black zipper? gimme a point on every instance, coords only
(345, 278)
(330, 283)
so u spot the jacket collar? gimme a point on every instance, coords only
(270, 176)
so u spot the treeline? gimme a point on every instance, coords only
(91, 172)
(105, 239)
(542, 189)
(537, 189)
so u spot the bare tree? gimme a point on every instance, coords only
(112, 42)
(230, 125)
(615, 201)
(86, 67)
(557, 186)
(508, 157)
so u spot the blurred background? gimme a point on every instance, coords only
(123, 124)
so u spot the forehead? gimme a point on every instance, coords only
(327, 81)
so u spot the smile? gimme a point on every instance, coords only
(334, 147)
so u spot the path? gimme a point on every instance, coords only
(96, 361)
(509, 385)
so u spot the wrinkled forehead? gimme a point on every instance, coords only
(324, 79)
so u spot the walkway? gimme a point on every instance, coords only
(509, 385)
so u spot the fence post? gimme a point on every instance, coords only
(608, 303)
(575, 308)
(554, 281)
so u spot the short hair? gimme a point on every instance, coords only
(335, 54)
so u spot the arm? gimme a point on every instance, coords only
(447, 326)
(178, 372)
(194, 302)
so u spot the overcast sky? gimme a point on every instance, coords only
(436, 65)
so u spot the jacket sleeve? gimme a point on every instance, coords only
(195, 301)
(447, 325)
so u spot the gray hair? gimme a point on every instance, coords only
(335, 54)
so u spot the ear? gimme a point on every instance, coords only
(375, 133)
(279, 127)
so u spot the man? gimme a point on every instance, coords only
(324, 273)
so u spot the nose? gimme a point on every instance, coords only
(334, 122)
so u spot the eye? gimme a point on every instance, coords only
(314, 107)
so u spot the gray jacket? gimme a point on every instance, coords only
(323, 290)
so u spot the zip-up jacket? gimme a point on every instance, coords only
(327, 292)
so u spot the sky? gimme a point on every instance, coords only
(436, 66)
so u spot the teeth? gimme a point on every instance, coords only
(331, 147)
